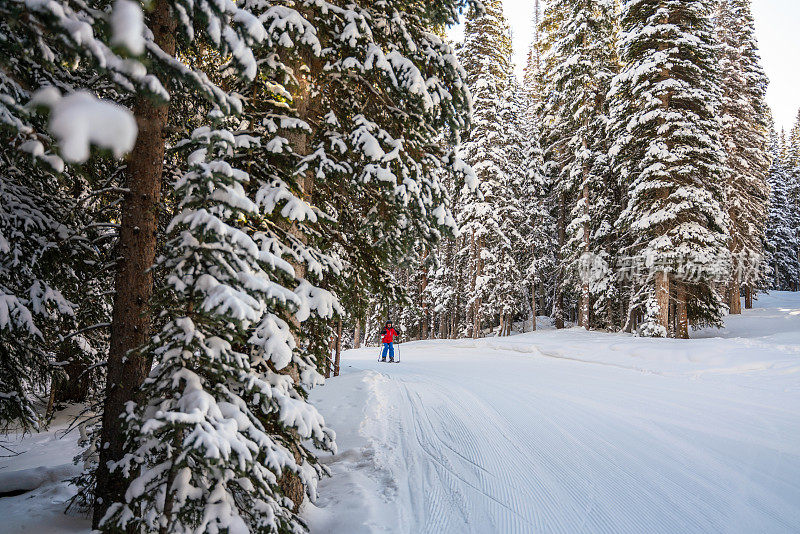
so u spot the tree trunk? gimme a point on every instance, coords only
(662, 298)
(734, 297)
(338, 348)
(357, 335)
(682, 330)
(75, 387)
(748, 297)
(471, 312)
(130, 327)
(584, 312)
(477, 316)
(329, 355)
(307, 103)
(558, 307)
(423, 287)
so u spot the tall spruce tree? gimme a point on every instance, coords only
(537, 252)
(781, 238)
(579, 63)
(46, 242)
(486, 56)
(217, 426)
(668, 153)
(745, 139)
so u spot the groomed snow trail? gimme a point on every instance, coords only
(571, 432)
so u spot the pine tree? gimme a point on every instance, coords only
(792, 144)
(579, 64)
(170, 28)
(537, 255)
(485, 220)
(781, 239)
(373, 160)
(47, 139)
(745, 139)
(211, 438)
(669, 155)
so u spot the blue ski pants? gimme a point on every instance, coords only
(388, 347)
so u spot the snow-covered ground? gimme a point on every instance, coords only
(552, 431)
(569, 431)
(43, 466)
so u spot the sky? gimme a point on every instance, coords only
(777, 30)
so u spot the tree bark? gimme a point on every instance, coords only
(584, 310)
(558, 308)
(477, 316)
(338, 348)
(130, 327)
(734, 297)
(471, 312)
(682, 330)
(357, 335)
(533, 306)
(662, 298)
(748, 297)
(307, 105)
(329, 355)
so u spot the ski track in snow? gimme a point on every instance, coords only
(547, 432)
(571, 432)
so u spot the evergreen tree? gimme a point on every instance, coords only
(744, 135)
(377, 102)
(792, 145)
(579, 64)
(781, 238)
(44, 243)
(485, 221)
(537, 253)
(668, 153)
(213, 434)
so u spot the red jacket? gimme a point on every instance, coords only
(389, 335)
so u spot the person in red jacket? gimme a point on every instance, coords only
(388, 341)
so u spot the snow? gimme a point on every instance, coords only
(43, 465)
(548, 431)
(127, 26)
(571, 431)
(80, 120)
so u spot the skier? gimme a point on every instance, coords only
(388, 342)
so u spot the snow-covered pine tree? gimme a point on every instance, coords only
(486, 56)
(745, 138)
(373, 158)
(61, 44)
(792, 144)
(535, 251)
(217, 425)
(553, 141)
(792, 164)
(538, 254)
(43, 243)
(781, 239)
(510, 291)
(170, 32)
(579, 62)
(668, 153)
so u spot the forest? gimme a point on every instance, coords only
(204, 202)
